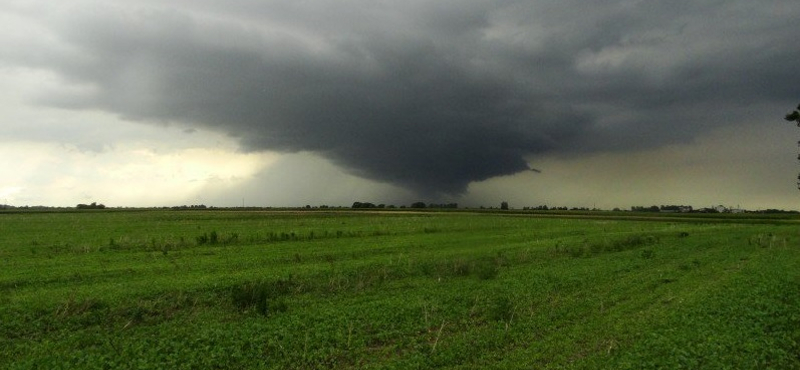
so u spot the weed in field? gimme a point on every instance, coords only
(767, 240)
(501, 309)
(523, 256)
(265, 297)
(73, 307)
(438, 336)
(214, 238)
(633, 241)
(486, 268)
(426, 268)
(461, 267)
(596, 248)
(587, 248)
(575, 251)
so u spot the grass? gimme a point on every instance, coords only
(226, 289)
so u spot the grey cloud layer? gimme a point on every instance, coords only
(428, 97)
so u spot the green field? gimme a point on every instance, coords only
(456, 290)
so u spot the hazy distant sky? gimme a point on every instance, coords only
(287, 103)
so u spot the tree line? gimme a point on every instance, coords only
(417, 205)
(94, 205)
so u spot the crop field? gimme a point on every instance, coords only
(338, 289)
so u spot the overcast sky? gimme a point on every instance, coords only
(287, 103)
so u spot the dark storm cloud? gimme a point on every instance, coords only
(429, 96)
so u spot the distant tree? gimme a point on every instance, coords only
(418, 205)
(504, 205)
(795, 117)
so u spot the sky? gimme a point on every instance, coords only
(286, 103)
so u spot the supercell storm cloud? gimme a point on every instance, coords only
(430, 96)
